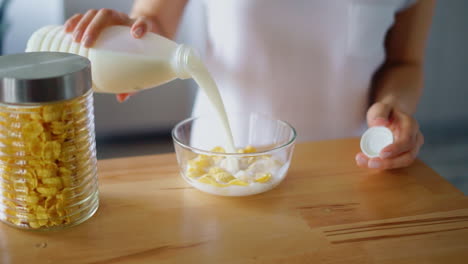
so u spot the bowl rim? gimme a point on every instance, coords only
(208, 152)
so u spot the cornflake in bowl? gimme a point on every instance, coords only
(257, 167)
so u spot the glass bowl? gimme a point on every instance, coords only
(264, 150)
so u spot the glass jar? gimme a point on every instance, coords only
(48, 166)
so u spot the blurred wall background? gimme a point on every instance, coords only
(443, 111)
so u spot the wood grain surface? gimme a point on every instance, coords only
(326, 211)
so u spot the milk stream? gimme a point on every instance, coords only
(202, 77)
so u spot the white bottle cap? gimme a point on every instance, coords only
(375, 139)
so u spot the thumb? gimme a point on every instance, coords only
(140, 27)
(379, 114)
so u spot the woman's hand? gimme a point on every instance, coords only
(408, 138)
(87, 27)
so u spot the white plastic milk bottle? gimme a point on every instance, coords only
(123, 64)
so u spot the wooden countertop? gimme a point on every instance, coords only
(326, 211)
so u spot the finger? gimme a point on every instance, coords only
(375, 163)
(406, 130)
(362, 160)
(71, 23)
(140, 27)
(379, 114)
(123, 18)
(95, 27)
(404, 160)
(123, 97)
(83, 24)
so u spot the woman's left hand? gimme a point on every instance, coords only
(408, 139)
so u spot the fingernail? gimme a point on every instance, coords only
(87, 41)
(385, 154)
(122, 98)
(361, 161)
(374, 164)
(138, 32)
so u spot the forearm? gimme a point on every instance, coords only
(399, 81)
(399, 85)
(166, 14)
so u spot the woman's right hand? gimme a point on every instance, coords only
(87, 27)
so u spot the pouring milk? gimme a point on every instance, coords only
(123, 64)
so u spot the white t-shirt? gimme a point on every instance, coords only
(308, 62)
